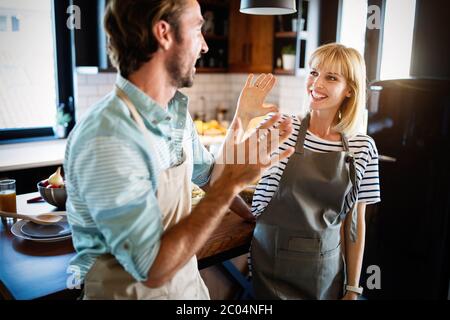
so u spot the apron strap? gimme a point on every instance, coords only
(345, 142)
(353, 178)
(134, 113)
(304, 124)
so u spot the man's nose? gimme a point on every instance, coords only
(204, 46)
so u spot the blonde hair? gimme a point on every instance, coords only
(350, 64)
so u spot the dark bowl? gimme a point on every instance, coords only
(54, 196)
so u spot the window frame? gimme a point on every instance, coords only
(65, 79)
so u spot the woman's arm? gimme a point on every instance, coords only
(354, 251)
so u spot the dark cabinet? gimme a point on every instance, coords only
(90, 39)
(251, 41)
(215, 32)
(408, 236)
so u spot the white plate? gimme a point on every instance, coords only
(16, 230)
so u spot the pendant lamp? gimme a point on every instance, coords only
(268, 7)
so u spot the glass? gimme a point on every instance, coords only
(8, 196)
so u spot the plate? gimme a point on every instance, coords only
(16, 230)
(34, 230)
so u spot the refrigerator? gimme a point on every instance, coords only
(407, 235)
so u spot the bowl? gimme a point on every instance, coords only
(54, 196)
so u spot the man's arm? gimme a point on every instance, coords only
(238, 205)
(179, 243)
(187, 237)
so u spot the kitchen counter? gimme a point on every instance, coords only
(33, 270)
(28, 155)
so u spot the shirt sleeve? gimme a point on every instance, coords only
(113, 179)
(203, 159)
(369, 189)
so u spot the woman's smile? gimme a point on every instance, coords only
(317, 96)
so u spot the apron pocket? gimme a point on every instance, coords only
(300, 244)
(297, 274)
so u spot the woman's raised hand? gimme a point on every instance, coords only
(251, 100)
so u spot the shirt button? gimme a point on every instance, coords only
(126, 246)
(169, 138)
(155, 122)
(168, 118)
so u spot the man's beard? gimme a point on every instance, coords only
(178, 77)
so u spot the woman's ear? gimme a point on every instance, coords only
(162, 33)
(349, 93)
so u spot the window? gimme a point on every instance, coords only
(352, 30)
(30, 85)
(397, 39)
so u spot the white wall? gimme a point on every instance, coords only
(217, 89)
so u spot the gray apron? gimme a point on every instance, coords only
(295, 251)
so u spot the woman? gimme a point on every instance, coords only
(309, 237)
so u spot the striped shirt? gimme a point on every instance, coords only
(366, 156)
(112, 177)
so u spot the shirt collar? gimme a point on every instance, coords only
(149, 109)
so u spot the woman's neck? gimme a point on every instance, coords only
(321, 124)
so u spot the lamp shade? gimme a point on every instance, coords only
(268, 7)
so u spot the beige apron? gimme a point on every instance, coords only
(107, 279)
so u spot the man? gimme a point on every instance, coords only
(130, 162)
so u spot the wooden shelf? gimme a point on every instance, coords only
(211, 70)
(286, 34)
(283, 71)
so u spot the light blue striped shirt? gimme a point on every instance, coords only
(112, 176)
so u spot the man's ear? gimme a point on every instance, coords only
(163, 34)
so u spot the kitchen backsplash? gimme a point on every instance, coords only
(210, 91)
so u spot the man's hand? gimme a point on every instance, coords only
(251, 100)
(242, 161)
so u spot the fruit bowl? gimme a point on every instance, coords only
(54, 196)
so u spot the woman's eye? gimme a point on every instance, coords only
(332, 78)
(313, 73)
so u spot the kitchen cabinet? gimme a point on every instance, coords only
(215, 32)
(297, 33)
(308, 35)
(250, 41)
(90, 39)
(408, 237)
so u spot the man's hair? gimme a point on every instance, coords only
(129, 26)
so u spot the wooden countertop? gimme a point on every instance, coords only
(31, 270)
